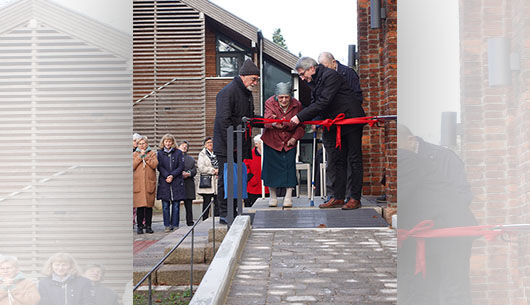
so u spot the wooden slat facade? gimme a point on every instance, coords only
(169, 43)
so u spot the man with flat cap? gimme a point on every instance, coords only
(233, 102)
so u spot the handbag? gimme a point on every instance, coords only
(205, 181)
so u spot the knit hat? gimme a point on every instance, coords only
(248, 68)
(283, 89)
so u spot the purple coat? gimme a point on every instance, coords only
(170, 163)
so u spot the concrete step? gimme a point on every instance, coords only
(202, 250)
(174, 275)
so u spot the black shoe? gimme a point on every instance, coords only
(190, 224)
(149, 230)
(381, 199)
(222, 220)
(140, 230)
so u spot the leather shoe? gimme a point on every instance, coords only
(332, 203)
(352, 204)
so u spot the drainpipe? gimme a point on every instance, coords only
(260, 45)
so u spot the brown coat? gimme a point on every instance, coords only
(24, 293)
(144, 179)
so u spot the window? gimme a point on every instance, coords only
(230, 57)
(272, 74)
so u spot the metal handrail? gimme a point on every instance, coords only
(192, 231)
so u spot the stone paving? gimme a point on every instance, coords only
(316, 266)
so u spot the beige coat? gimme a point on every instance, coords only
(24, 293)
(144, 179)
(204, 167)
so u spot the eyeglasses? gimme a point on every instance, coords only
(301, 74)
(254, 79)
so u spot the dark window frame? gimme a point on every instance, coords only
(240, 55)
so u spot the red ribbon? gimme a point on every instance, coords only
(338, 121)
(424, 230)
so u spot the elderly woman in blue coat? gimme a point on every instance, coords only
(170, 181)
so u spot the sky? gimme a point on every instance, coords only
(309, 26)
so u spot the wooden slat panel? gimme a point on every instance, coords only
(168, 42)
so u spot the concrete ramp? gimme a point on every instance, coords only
(318, 218)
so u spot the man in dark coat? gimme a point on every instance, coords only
(432, 185)
(331, 96)
(189, 172)
(352, 80)
(233, 102)
(350, 76)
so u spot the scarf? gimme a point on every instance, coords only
(213, 158)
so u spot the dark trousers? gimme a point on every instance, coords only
(251, 199)
(206, 199)
(189, 212)
(446, 280)
(144, 213)
(345, 164)
(223, 207)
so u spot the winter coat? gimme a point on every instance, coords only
(205, 167)
(433, 186)
(330, 96)
(189, 183)
(170, 163)
(22, 292)
(144, 179)
(77, 289)
(104, 295)
(278, 138)
(233, 102)
(254, 173)
(352, 79)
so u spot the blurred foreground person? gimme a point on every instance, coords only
(63, 284)
(15, 287)
(102, 295)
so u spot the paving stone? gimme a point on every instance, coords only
(343, 266)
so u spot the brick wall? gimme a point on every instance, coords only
(378, 75)
(495, 146)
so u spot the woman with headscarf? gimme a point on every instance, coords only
(279, 144)
(144, 184)
(208, 168)
(63, 285)
(15, 287)
(170, 181)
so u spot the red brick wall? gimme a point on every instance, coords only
(378, 75)
(495, 146)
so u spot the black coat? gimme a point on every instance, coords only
(171, 163)
(78, 291)
(233, 102)
(330, 96)
(352, 79)
(432, 185)
(189, 183)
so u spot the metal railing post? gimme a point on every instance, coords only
(150, 292)
(191, 270)
(213, 226)
(230, 175)
(239, 170)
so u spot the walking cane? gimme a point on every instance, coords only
(312, 202)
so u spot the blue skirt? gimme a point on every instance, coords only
(279, 167)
